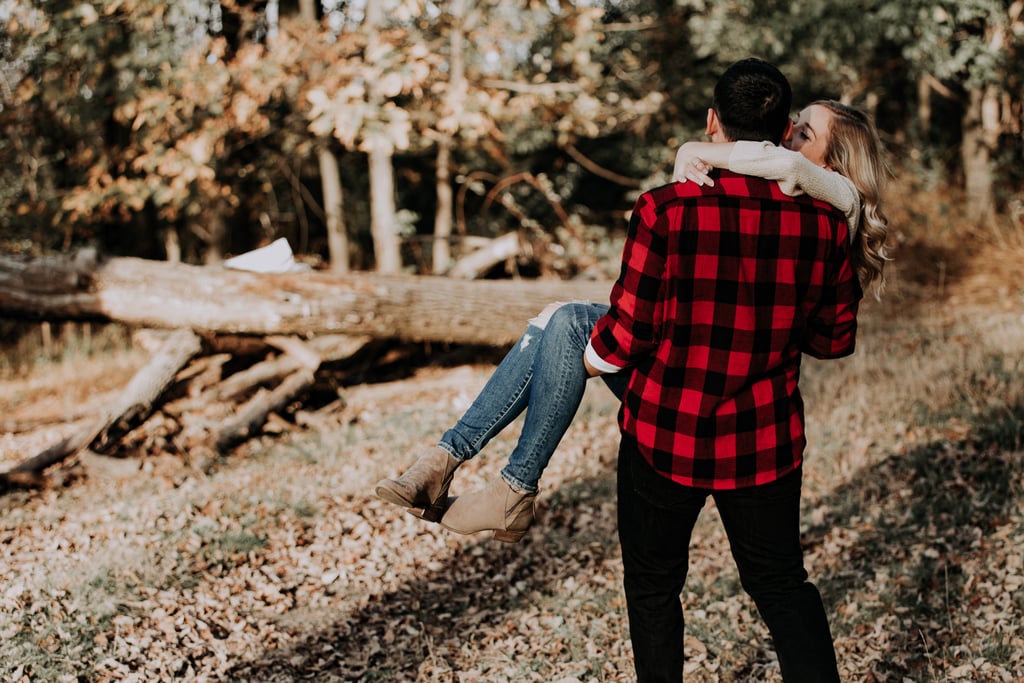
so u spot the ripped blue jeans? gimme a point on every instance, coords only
(542, 374)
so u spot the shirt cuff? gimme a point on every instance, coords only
(599, 363)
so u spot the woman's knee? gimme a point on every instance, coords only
(569, 323)
(542, 318)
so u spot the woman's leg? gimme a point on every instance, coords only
(502, 399)
(424, 486)
(510, 388)
(558, 380)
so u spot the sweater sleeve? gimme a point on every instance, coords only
(796, 175)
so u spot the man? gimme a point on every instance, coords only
(722, 289)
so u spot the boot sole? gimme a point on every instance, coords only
(429, 514)
(508, 536)
(502, 535)
(389, 496)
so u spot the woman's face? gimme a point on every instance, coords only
(811, 133)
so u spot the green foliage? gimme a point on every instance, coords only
(129, 118)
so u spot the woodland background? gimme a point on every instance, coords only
(405, 137)
(383, 135)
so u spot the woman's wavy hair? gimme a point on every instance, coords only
(855, 151)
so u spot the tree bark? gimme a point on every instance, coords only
(334, 210)
(383, 217)
(254, 413)
(322, 349)
(386, 248)
(441, 255)
(330, 182)
(216, 300)
(980, 132)
(480, 261)
(454, 104)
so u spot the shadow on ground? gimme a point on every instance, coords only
(443, 608)
(918, 517)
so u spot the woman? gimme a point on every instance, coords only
(833, 154)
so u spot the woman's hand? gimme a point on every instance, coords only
(689, 166)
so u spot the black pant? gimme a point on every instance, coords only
(656, 519)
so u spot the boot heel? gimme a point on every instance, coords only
(433, 513)
(430, 514)
(508, 536)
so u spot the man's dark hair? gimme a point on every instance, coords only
(752, 100)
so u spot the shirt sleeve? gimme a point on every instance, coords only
(628, 331)
(832, 324)
(796, 175)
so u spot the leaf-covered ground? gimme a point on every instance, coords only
(280, 565)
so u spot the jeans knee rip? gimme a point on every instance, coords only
(541, 320)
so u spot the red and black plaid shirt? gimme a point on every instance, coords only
(722, 289)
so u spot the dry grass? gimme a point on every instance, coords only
(280, 566)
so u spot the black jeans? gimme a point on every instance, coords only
(656, 519)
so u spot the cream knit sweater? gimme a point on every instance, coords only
(796, 175)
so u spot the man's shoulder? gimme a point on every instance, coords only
(739, 185)
(730, 188)
(670, 191)
(727, 185)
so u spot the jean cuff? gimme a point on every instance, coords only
(518, 484)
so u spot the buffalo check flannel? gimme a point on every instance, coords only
(722, 290)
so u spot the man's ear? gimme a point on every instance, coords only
(788, 133)
(713, 124)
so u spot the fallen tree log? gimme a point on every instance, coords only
(132, 406)
(322, 349)
(494, 252)
(216, 300)
(253, 414)
(280, 328)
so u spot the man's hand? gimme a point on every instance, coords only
(591, 370)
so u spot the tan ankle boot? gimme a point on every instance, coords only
(424, 486)
(497, 507)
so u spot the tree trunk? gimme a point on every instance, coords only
(172, 245)
(383, 224)
(215, 300)
(330, 183)
(453, 106)
(212, 229)
(254, 413)
(442, 252)
(486, 257)
(337, 236)
(980, 130)
(383, 219)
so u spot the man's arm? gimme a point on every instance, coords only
(591, 370)
(628, 331)
(832, 323)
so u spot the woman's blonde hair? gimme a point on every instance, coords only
(855, 151)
